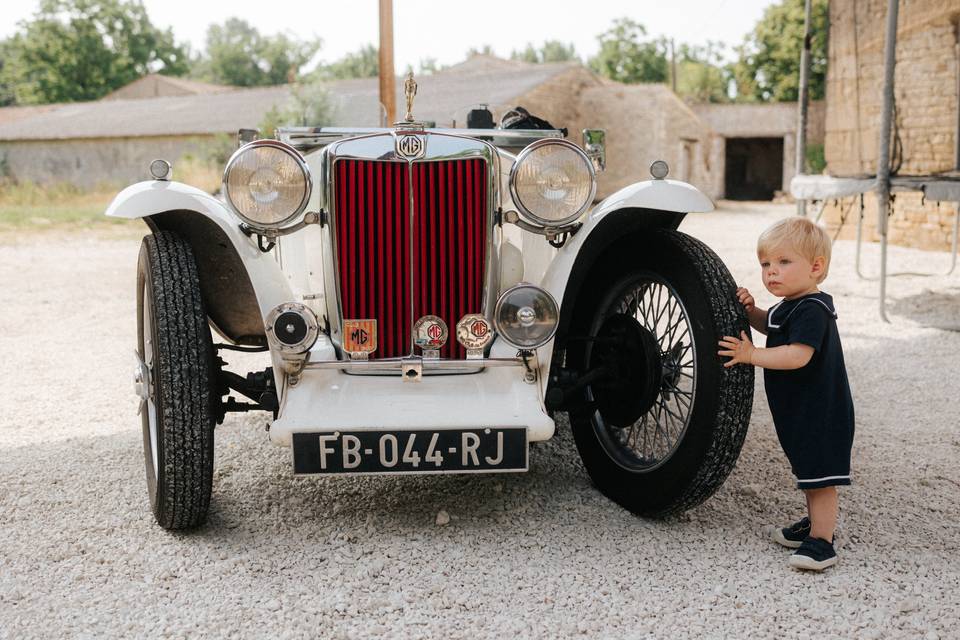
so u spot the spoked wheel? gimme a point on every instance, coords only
(643, 409)
(661, 430)
(174, 381)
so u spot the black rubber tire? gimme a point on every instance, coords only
(182, 382)
(708, 449)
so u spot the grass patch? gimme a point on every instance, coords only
(27, 206)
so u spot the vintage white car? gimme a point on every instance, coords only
(430, 300)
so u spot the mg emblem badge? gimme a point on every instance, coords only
(360, 336)
(430, 332)
(473, 332)
(410, 146)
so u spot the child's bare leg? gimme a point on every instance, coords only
(822, 506)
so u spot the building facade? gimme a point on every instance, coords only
(926, 116)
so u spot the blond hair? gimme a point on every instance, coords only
(800, 234)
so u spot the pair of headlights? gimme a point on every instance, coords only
(267, 183)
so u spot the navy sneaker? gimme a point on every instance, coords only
(794, 535)
(815, 554)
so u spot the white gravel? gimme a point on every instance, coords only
(540, 554)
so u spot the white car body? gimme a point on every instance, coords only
(327, 400)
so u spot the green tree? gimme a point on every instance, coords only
(701, 73)
(83, 49)
(551, 51)
(627, 56)
(238, 54)
(7, 96)
(768, 68)
(363, 63)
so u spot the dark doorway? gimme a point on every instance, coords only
(754, 168)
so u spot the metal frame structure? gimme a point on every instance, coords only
(934, 187)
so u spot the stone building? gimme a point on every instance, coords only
(757, 144)
(927, 110)
(155, 85)
(113, 140)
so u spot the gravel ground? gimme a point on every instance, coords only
(540, 554)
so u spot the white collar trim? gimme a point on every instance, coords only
(770, 324)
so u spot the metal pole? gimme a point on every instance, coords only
(956, 133)
(800, 164)
(388, 89)
(883, 160)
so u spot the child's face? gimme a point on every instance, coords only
(787, 274)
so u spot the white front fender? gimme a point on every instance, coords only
(154, 197)
(654, 195)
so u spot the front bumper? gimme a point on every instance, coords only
(328, 400)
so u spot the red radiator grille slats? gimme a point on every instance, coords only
(450, 239)
(373, 224)
(372, 206)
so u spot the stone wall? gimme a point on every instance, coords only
(926, 105)
(92, 162)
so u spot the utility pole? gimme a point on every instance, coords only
(388, 89)
(673, 67)
(801, 144)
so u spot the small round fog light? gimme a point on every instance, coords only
(659, 169)
(292, 327)
(160, 169)
(526, 316)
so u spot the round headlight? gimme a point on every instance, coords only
(267, 183)
(552, 182)
(526, 316)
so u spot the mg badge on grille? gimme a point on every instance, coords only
(359, 337)
(473, 332)
(410, 146)
(430, 333)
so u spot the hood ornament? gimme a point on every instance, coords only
(410, 91)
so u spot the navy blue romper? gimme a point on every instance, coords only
(812, 407)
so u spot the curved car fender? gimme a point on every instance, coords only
(150, 198)
(640, 205)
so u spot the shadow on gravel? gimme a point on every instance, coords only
(932, 309)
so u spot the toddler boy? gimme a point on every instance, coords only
(805, 379)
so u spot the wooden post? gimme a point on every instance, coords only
(673, 67)
(388, 89)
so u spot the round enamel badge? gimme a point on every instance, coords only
(430, 332)
(473, 331)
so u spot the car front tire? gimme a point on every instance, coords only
(662, 431)
(176, 353)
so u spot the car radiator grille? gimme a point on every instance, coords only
(396, 266)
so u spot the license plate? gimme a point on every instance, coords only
(457, 451)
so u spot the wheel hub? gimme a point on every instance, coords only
(141, 380)
(632, 355)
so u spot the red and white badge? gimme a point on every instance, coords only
(360, 336)
(474, 332)
(430, 332)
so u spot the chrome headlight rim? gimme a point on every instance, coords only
(499, 307)
(301, 163)
(529, 149)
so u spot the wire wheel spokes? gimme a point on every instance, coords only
(655, 435)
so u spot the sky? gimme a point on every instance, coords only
(446, 29)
